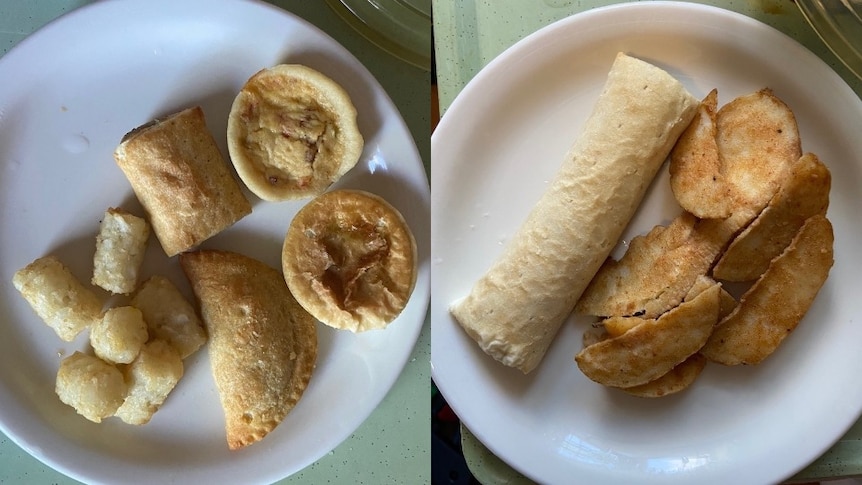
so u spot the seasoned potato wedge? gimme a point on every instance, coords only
(758, 142)
(772, 308)
(653, 347)
(678, 379)
(696, 176)
(733, 160)
(803, 194)
(659, 268)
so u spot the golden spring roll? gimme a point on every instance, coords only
(515, 310)
(180, 177)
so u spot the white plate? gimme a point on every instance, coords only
(497, 146)
(70, 92)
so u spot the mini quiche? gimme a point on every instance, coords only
(292, 132)
(349, 258)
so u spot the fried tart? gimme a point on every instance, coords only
(349, 258)
(292, 132)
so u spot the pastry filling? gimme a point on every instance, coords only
(356, 255)
(286, 140)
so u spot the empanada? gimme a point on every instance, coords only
(263, 345)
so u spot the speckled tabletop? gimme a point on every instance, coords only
(394, 441)
(470, 33)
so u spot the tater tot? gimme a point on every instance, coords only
(92, 386)
(151, 377)
(120, 247)
(119, 335)
(59, 299)
(169, 316)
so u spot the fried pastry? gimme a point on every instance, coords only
(180, 177)
(263, 345)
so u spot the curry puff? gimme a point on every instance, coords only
(263, 345)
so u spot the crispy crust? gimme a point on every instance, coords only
(263, 345)
(182, 180)
(349, 258)
(292, 132)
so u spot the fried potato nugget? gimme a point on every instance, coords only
(659, 268)
(772, 308)
(92, 386)
(733, 160)
(169, 316)
(151, 377)
(120, 247)
(653, 347)
(119, 335)
(803, 194)
(60, 300)
(678, 379)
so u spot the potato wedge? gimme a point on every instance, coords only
(593, 336)
(616, 326)
(733, 160)
(758, 142)
(659, 268)
(773, 307)
(696, 176)
(654, 347)
(679, 378)
(803, 194)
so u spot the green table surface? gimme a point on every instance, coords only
(393, 444)
(468, 34)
